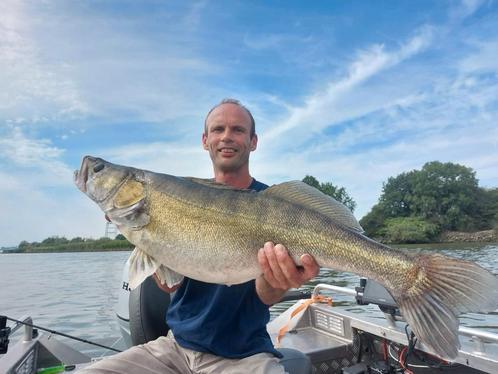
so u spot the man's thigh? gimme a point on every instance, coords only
(261, 363)
(161, 356)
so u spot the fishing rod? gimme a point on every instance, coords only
(59, 333)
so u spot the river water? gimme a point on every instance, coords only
(75, 293)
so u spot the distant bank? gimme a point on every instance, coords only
(478, 236)
(484, 236)
(61, 244)
(59, 250)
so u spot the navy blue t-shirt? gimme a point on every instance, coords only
(228, 321)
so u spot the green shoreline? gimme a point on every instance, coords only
(129, 249)
(61, 244)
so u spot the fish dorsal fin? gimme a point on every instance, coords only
(300, 193)
(213, 184)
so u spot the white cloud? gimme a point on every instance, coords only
(465, 8)
(31, 85)
(323, 109)
(175, 158)
(36, 159)
(194, 15)
(483, 58)
(60, 63)
(273, 41)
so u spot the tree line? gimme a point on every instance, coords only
(78, 244)
(419, 205)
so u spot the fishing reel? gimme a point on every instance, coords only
(4, 335)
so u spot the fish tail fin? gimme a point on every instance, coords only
(141, 266)
(445, 287)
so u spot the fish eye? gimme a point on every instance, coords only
(98, 167)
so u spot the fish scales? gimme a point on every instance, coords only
(232, 224)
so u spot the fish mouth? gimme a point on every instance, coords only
(84, 179)
(81, 177)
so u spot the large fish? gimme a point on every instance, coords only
(210, 232)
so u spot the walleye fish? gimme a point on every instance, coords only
(211, 232)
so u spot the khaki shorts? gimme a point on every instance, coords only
(165, 356)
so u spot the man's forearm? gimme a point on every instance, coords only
(267, 294)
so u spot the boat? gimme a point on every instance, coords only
(315, 335)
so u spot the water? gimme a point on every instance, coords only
(75, 293)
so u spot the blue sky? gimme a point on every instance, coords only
(352, 92)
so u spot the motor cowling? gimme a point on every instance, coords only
(141, 312)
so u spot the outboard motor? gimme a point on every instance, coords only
(141, 312)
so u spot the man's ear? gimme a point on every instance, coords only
(204, 141)
(254, 142)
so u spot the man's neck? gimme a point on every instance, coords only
(238, 180)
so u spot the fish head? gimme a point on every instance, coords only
(100, 179)
(118, 190)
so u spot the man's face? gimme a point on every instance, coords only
(228, 138)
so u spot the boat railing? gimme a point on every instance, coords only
(330, 287)
(27, 322)
(479, 336)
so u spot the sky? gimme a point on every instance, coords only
(351, 92)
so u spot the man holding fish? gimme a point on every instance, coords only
(218, 328)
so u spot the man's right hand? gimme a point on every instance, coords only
(164, 287)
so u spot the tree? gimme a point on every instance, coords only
(120, 237)
(397, 195)
(409, 230)
(490, 204)
(373, 222)
(52, 240)
(338, 193)
(23, 245)
(446, 195)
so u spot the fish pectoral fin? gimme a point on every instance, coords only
(298, 192)
(141, 266)
(168, 276)
(133, 216)
(444, 288)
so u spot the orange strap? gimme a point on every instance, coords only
(314, 299)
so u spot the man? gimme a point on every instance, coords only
(218, 328)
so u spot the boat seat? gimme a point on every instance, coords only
(147, 307)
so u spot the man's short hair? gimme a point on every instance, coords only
(238, 103)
